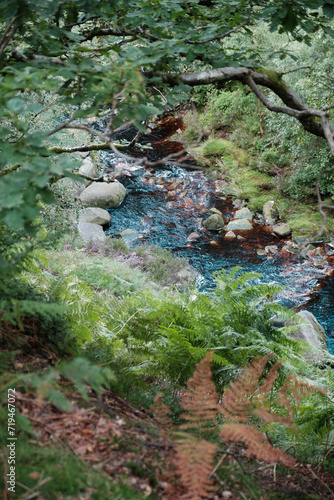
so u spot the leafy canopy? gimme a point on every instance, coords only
(91, 56)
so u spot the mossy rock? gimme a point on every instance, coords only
(214, 223)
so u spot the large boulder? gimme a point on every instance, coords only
(103, 195)
(308, 329)
(89, 231)
(239, 225)
(88, 169)
(243, 213)
(94, 215)
(215, 222)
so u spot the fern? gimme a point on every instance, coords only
(245, 404)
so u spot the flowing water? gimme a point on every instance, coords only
(165, 206)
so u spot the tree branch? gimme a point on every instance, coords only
(83, 149)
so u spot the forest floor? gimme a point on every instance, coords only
(107, 448)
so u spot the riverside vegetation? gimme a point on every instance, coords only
(129, 385)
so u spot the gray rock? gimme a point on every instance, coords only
(269, 214)
(88, 168)
(239, 237)
(129, 235)
(75, 186)
(239, 225)
(89, 231)
(300, 240)
(237, 203)
(308, 329)
(261, 253)
(282, 230)
(215, 222)
(304, 251)
(214, 210)
(94, 215)
(230, 235)
(103, 195)
(243, 213)
(331, 243)
(292, 248)
(271, 249)
(320, 263)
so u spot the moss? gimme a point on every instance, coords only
(306, 221)
(273, 76)
(225, 150)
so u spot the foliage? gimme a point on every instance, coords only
(252, 394)
(164, 337)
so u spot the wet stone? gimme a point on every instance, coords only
(271, 249)
(304, 252)
(292, 248)
(239, 225)
(243, 213)
(320, 263)
(193, 236)
(214, 223)
(282, 230)
(237, 203)
(214, 210)
(261, 252)
(230, 235)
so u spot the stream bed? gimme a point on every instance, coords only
(166, 206)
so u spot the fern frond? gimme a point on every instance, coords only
(236, 403)
(195, 463)
(162, 413)
(258, 445)
(201, 399)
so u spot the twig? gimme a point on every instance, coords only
(159, 91)
(300, 67)
(237, 459)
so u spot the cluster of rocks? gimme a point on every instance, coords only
(241, 222)
(95, 196)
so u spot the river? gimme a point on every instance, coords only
(166, 205)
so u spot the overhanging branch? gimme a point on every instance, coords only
(294, 105)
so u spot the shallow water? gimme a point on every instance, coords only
(164, 206)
